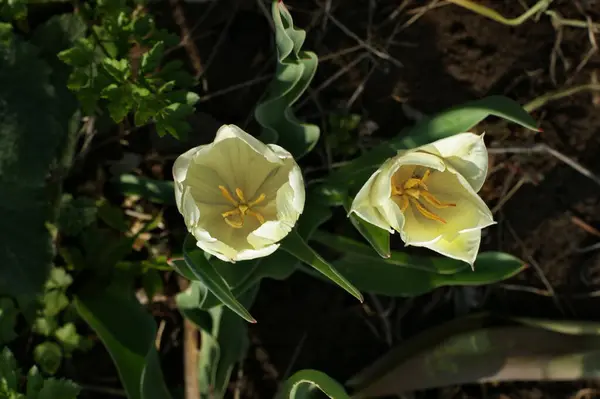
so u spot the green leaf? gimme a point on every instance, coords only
(453, 121)
(376, 236)
(48, 356)
(29, 101)
(304, 383)
(45, 325)
(152, 283)
(69, 338)
(120, 100)
(159, 191)
(118, 69)
(477, 349)
(151, 59)
(294, 71)
(9, 377)
(80, 55)
(35, 382)
(8, 320)
(380, 276)
(128, 332)
(63, 389)
(76, 214)
(58, 279)
(205, 272)
(295, 245)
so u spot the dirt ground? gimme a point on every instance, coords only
(388, 61)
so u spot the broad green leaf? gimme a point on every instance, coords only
(353, 248)
(304, 383)
(453, 121)
(29, 102)
(476, 350)
(8, 320)
(376, 236)
(48, 356)
(128, 333)
(158, 191)
(204, 271)
(295, 245)
(378, 276)
(294, 72)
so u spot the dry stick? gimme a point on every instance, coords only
(545, 148)
(186, 39)
(367, 46)
(540, 6)
(537, 268)
(334, 77)
(238, 86)
(190, 353)
(217, 46)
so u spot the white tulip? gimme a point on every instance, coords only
(239, 197)
(429, 195)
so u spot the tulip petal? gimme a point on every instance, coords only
(466, 153)
(367, 211)
(463, 247)
(470, 212)
(256, 253)
(234, 132)
(182, 163)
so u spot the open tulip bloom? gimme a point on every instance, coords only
(239, 197)
(429, 195)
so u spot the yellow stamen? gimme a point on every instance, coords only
(405, 203)
(260, 199)
(426, 212)
(257, 215)
(411, 192)
(227, 196)
(241, 207)
(435, 202)
(236, 225)
(240, 194)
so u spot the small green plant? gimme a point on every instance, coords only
(34, 385)
(119, 65)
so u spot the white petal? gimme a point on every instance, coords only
(189, 209)
(420, 231)
(470, 212)
(464, 247)
(269, 233)
(214, 247)
(181, 165)
(466, 153)
(232, 131)
(392, 214)
(367, 211)
(256, 253)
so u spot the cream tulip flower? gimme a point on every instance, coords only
(429, 195)
(239, 197)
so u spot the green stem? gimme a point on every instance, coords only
(556, 95)
(489, 13)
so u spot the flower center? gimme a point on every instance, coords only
(414, 191)
(235, 217)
